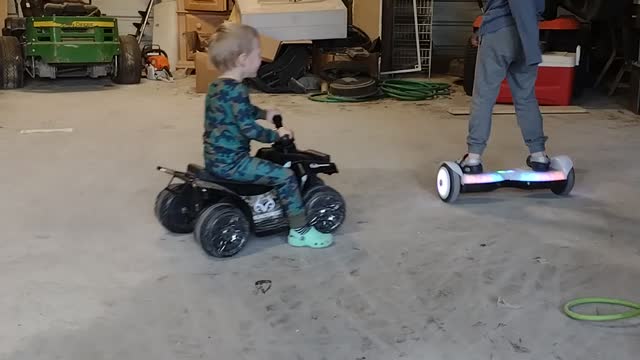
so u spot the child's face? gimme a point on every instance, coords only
(251, 62)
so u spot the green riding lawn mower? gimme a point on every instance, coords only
(65, 38)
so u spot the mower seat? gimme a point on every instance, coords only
(69, 8)
(240, 188)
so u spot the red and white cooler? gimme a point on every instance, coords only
(554, 85)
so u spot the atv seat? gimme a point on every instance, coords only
(240, 188)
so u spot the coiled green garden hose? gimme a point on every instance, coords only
(328, 98)
(414, 90)
(406, 90)
(598, 300)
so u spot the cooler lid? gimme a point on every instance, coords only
(558, 59)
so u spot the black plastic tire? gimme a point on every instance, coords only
(11, 63)
(470, 54)
(221, 225)
(129, 63)
(325, 207)
(354, 87)
(564, 189)
(172, 209)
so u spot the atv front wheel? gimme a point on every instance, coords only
(128, 65)
(325, 207)
(11, 63)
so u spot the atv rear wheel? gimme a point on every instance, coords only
(172, 209)
(222, 230)
(11, 63)
(128, 65)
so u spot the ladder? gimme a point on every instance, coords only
(144, 15)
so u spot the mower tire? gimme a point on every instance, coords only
(129, 63)
(11, 63)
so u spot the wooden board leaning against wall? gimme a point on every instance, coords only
(4, 8)
(366, 15)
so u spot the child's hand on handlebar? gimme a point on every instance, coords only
(271, 113)
(284, 132)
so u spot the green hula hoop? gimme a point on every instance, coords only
(598, 300)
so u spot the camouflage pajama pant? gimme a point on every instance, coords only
(257, 171)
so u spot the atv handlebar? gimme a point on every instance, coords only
(277, 121)
(285, 144)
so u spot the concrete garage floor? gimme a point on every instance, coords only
(87, 272)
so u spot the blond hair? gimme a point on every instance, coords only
(229, 42)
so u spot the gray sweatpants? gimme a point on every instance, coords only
(500, 54)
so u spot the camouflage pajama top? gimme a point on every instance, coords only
(230, 123)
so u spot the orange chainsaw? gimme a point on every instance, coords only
(156, 63)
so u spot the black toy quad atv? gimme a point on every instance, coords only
(223, 214)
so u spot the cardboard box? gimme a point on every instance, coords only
(298, 20)
(269, 46)
(206, 73)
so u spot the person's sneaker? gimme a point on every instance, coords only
(540, 163)
(309, 237)
(470, 166)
